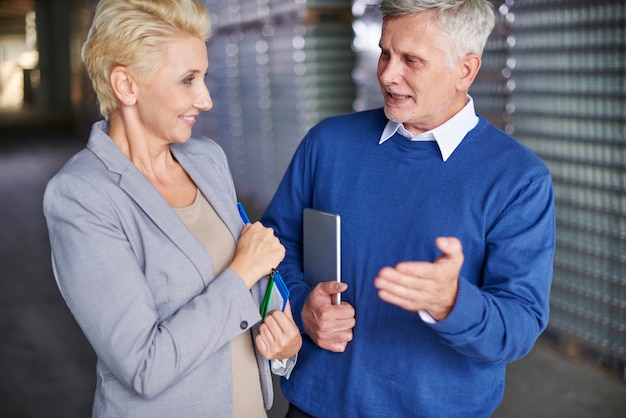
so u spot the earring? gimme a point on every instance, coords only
(131, 102)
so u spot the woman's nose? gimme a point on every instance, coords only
(204, 101)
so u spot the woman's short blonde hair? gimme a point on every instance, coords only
(133, 33)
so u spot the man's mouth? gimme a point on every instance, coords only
(398, 96)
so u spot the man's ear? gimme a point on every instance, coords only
(467, 70)
(123, 85)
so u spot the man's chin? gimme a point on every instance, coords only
(393, 115)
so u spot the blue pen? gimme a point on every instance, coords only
(243, 214)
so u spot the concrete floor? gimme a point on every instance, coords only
(47, 366)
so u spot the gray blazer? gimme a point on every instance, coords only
(141, 286)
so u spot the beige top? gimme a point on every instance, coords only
(210, 230)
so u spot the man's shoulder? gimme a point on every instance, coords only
(365, 119)
(500, 140)
(349, 127)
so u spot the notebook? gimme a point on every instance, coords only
(321, 247)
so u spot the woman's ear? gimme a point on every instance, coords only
(468, 69)
(123, 85)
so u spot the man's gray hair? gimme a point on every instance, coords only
(465, 23)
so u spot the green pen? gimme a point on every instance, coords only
(268, 295)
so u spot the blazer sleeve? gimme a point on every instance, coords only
(101, 278)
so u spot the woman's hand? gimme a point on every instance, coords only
(258, 252)
(279, 336)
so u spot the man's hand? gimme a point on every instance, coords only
(329, 326)
(423, 286)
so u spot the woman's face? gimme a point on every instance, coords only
(168, 106)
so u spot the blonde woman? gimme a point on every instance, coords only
(148, 248)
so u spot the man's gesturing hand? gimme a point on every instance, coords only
(424, 286)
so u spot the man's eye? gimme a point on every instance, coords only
(414, 61)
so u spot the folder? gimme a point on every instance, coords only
(275, 295)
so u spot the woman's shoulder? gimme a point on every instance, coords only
(83, 166)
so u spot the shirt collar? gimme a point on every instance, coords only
(448, 135)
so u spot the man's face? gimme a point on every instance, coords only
(419, 90)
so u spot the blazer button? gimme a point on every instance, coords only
(243, 325)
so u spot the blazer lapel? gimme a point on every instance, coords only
(147, 197)
(211, 181)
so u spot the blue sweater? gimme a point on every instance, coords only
(395, 199)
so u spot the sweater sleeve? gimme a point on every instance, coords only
(284, 215)
(500, 319)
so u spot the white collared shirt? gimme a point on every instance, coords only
(448, 135)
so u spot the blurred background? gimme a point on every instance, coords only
(553, 76)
